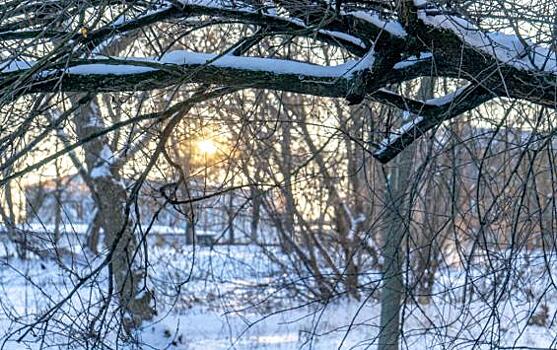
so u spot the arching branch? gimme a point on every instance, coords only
(418, 39)
(426, 115)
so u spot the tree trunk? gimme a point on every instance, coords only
(135, 299)
(58, 205)
(255, 213)
(397, 212)
(393, 286)
(230, 214)
(287, 188)
(93, 234)
(189, 232)
(19, 238)
(110, 197)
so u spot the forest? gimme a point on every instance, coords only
(278, 174)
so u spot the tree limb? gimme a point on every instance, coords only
(425, 116)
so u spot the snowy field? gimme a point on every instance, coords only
(233, 297)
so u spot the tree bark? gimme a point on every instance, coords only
(393, 256)
(19, 238)
(397, 213)
(111, 197)
(93, 234)
(230, 214)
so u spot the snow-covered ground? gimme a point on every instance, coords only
(231, 297)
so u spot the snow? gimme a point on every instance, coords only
(106, 154)
(81, 228)
(158, 10)
(447, 99)
(412, 60)
(220, 306)
(100, 48)
(344, 36)
(395, 135)
(406, 127)
(410, 125)
(355, 221)
(95, 119)
(49, 228)
(208, 3)
(116, 69)
(14, 65)
(366, 62)
(506, 48)
(393, 27)
(271, 11)
(219, 4)
(102, 169)
(188, 58)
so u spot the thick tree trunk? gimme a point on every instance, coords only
(110, 197)
(135, 301)
(7, 214)
(93, 234)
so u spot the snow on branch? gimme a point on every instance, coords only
(389, 51)
(372, 17)
(130, 65)
(360, 71)
(190, 67)
(426, 115)
(412, 60)
(507, 49)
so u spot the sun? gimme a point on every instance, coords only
(207, 147)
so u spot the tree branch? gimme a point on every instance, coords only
(426, 116)
(183, 67)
